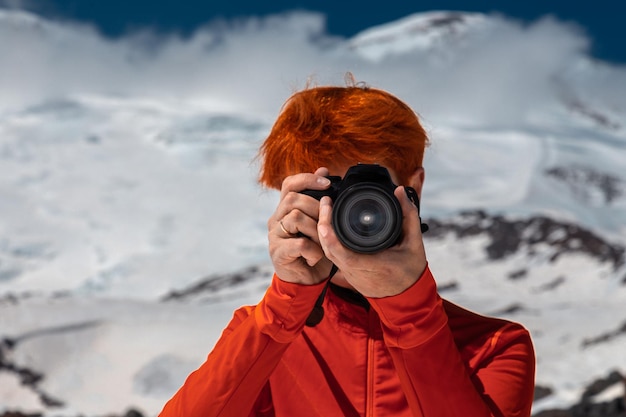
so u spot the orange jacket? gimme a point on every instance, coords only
(412, 354)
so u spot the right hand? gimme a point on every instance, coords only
(294, 244)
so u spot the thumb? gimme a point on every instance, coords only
(411, 219)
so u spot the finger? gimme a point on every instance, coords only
(294, 201)
(297, 224)
(322, 171)
(287, 233)
(411, 220)
(297, 250)
(328, 239)
(305, 181)
(324, 226)
(291, 193)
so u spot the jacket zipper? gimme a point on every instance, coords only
(369, 408)
(371, 365)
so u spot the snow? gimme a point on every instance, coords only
(422, 31)
(129, 171)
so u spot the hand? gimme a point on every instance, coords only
(381, 274)
(294, 245)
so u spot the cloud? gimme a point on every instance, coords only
(500, 71)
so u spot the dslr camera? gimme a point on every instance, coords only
(366, 216)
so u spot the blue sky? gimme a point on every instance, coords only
(602, 20)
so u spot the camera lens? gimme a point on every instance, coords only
(367, 219)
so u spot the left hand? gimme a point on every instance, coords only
(381, 274)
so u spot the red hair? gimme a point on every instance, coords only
(327, 126)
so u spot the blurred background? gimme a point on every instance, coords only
(131, 223)
(601, 21)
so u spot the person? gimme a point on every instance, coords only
(387, 343)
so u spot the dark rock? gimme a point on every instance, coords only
(30, 377)
(449, 286)
(507, 237)
(592, 114)
(551, 285)
(581, 179)
(521, 273)
(215, 283)
(599, 385)
(615, 407)
(510, 309)
(131, 412)
(605, 337)
(541, 392)
(553, 413)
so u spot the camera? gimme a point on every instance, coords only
(366, 216)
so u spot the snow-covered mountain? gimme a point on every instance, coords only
(432, 33)
(131, 225)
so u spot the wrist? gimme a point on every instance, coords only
(413, 316)
(285, 307)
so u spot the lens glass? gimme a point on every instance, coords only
(366, 219)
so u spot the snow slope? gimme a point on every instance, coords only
(128, 172)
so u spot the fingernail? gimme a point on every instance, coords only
(324, 205)
(323, 181)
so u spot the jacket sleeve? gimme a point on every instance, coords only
(233, 379)
(497, 380)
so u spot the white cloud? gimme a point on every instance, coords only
(501, 71)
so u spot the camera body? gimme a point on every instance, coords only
(366, 216)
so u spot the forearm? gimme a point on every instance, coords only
(492, 376)
(436, 381)
(232, 377)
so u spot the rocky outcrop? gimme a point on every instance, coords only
(539, 233)
(215, 283)
(28, 377)
(584, 182)
(587, 407)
